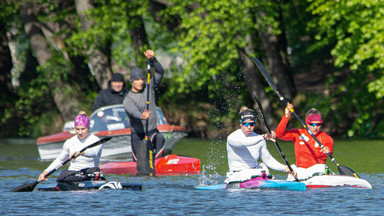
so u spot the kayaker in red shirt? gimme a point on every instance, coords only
(310, 158)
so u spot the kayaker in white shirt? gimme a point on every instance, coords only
(245, 147)
(84, 166)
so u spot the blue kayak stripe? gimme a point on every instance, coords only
(212, 187)
(283, 185)
(267, 184)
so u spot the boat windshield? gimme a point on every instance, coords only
(114, 117)
(109, 118)
(160, 117)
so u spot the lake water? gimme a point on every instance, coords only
(175, 195)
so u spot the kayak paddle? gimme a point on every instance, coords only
(269, 131)
(30, 187)
(342, 169)
(146, 152)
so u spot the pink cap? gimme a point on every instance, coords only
(82, 120)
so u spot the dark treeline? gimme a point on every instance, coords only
(56, 55)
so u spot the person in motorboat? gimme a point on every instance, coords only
(114, 94)
(135, 104)
(310, 157)
(84, 167)
(245, 147)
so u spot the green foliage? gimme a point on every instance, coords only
(111, 21)
(356, 27)
(8, 9)
(33, 100)
(378, 87)
(209, 38)
(207, 35)
(35, 109)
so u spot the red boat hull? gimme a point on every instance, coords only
(168, 165)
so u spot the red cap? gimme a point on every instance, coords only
(313, 118)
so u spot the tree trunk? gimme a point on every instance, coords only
(57, 33)
(254, 84)
(8, 124)
(99, 59)
(66, 104)
(6, 87)
(172, 23)
(79, 75)
(278, 66)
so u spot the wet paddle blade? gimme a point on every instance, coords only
(145, 159)
(26, 188)
(151, 158)
(347, 171)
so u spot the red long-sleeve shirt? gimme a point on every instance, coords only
(307, 151)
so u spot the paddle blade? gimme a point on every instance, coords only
(343, 170)
(26, 188)
(151, 158)
(145, 159)
(267, 77)
(262, 113)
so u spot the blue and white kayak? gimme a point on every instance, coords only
(258, 183)
(89, 185)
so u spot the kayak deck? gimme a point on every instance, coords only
(90, 185)
(258, 183)
(324, 181)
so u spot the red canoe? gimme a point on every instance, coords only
(168, 165)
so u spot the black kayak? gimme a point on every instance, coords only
(90, 185)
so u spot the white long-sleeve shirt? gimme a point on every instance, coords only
(90, 158)
(244, 152)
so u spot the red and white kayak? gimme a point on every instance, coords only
(168, 165)
(336, 181)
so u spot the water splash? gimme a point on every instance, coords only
(207, 178)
